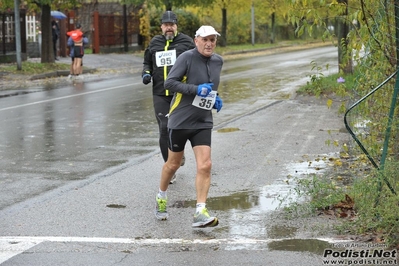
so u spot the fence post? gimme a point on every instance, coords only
(96, 33)
(3, 30)
(63, 37)
(22, 26)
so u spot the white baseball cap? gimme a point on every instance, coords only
(204, 31)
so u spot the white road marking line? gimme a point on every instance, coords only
(11, 246)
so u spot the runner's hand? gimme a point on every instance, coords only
(218, 104)
(146, 78)
(203, 90)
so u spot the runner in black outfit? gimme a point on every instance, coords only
(159, 58)
(194, 79)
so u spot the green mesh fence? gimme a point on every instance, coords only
(372, 119)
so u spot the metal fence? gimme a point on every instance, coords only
(32, 28)
(7, 36)
(112, 31)
(373, 117)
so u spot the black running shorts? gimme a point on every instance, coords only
(197, 137)
(78, 51)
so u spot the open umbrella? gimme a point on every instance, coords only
(58, 15)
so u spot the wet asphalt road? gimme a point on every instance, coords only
(82, 161)
(67, 133)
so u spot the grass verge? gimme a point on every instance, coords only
(33, 68)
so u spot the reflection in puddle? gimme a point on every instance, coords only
(228, 129)
(315, 246)
(310, 166)
(282, 231)
(248, 211)
(304, 245)
(268, 198)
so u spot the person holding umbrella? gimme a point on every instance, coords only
(58, 14)
(55, 29)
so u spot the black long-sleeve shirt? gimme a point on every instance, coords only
(159, 72)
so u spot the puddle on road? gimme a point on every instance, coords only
(116, 206)
(249, 211)
(282, 231)
(228, 129)
(269, 197)
(308, 166)
(303, 245)
(240, 89)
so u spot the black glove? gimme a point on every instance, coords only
(146, 78)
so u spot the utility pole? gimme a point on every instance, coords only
(253, 23)
(17, 21)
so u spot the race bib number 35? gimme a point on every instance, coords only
(205, 102)
(165, 58)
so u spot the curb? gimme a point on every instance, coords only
(308, 45)
(59, 73)
(55, 74)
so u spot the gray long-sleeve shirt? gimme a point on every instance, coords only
(190, 70)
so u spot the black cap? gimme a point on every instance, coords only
(170, 17)
(78, 26)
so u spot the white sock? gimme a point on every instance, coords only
(162, 194)
(200, 207)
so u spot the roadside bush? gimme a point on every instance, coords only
(376, 206)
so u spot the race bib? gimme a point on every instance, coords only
(165, 58)
(207, 102)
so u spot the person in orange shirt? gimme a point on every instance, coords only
(78, 49)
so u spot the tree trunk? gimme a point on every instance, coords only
(344, 54)
(273, 29)
(47, 37)
(125, 39)
(223, 38)
(168, 5)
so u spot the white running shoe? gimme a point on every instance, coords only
(203, 219)
(174, 177)
(160, 208)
